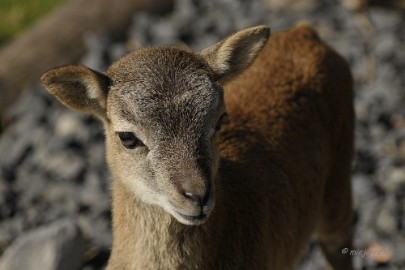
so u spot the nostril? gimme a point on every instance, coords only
(196, 199)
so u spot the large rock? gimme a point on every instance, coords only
(59, 246)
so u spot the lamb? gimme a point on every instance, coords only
(230, 158)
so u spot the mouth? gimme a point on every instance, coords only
(198, 218)
(201, 216)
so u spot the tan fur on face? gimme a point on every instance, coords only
(278, 171)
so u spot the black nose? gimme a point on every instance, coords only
(197, 199)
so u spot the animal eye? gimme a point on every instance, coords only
(129, 140)
(220, 122)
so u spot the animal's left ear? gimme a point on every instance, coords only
(79, 88)
(234, 54)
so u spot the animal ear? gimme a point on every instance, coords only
(234, 54)
(78, 87)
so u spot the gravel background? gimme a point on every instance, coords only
(52, 163)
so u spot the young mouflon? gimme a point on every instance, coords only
(229, 158)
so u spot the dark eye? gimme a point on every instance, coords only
(221, 121)
(129, 140)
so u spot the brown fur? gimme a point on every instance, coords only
(279, 168)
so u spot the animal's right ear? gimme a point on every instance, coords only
(233, 55)
(78, 87)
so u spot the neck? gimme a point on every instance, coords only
(146, 237)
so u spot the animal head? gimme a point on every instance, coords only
(162, 109)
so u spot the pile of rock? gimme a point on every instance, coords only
(52, 163)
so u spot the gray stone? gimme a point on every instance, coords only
(354, 5)
(68, 124)
(292, 6)
(58, 246)
(363, 188)
(386, 221)
(96, 155)
(17, 151)
(29, 102)
(399, 249)
(94, 58)
(395, 178)
(385, 19)
(117, 50)
(386, 45)
(63, 165)
(314, 260)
